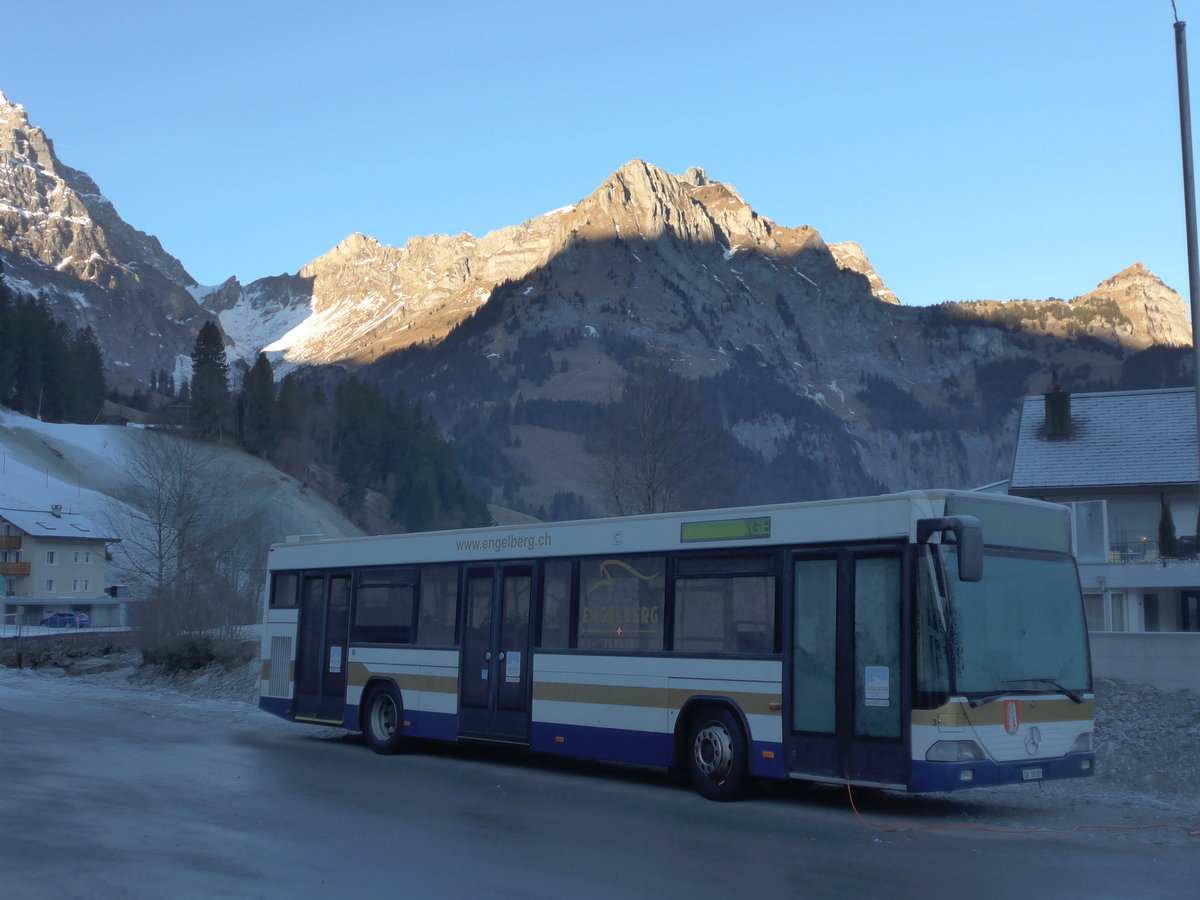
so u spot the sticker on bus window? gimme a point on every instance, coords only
(877, 686)
(335, 659)
(512, 667)
(483, 674)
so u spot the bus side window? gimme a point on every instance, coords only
(383, 607)
(556, 605)
(285, 588)
(621, 603)
(725, 615)
(438, 607)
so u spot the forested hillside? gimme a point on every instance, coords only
(46, 371)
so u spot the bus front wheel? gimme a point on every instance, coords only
(382, 720)
(717, 754)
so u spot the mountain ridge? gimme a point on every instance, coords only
(820, 381)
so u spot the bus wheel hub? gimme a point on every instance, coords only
(714, 751)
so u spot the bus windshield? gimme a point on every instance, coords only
(1019, 630)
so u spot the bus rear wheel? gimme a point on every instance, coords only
(382, 723)
(717, 754)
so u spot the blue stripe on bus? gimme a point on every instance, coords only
(639, 747)
(438, 726)
(947, 776)
(277, 706)
(434, 725)
(766, 767)
(612, 744)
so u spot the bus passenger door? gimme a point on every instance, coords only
(494, 688)
(847, 682)
(321, 649)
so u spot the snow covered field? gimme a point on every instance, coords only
(83, 468)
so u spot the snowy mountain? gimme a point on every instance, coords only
(61, 237)
(822, 382)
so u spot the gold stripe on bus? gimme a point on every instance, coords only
(266, 670)
(961, 715)
(649, 697)
(359, 674)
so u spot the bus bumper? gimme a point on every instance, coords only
(953, 776)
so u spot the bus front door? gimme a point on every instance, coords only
(848, 688)
(321, 649)
(494, 688)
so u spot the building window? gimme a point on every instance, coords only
(1150, 612)
(75, 586)
(87, 557)
(75, 557)
(49, 585)
(87, 585)
(1189, 611)
(50, 557)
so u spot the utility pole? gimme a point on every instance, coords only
(1189, 209)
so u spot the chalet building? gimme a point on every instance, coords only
(1121, 460)
(53, 561)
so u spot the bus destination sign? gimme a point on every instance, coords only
(726, 530)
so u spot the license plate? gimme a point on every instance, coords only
(1031, 774)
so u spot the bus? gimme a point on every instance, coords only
(919, 641)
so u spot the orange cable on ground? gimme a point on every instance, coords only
(1193, 831)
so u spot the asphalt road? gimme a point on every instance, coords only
(114, 793)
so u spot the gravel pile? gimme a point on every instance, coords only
(214, 682)
(1147, 739)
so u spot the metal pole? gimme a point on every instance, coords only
(1189, 209)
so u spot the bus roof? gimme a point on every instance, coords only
(878, 518)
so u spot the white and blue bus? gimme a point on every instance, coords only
(923, 641)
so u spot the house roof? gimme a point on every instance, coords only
(1116, 438)
(43, 523)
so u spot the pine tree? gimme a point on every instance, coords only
(210, 384)
(87, 373)
(8, 353)
(260, 434)
(1167, 542)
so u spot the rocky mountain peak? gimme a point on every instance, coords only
(849, 255)
(1153, 312)
(60, 235)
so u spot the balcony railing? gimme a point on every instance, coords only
(10, 542)
(1148, 550)
(15, 569)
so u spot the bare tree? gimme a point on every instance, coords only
(195, 554)
(662, 450)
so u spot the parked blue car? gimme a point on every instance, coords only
(67, 620)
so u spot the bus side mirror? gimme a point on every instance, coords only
(968, 535)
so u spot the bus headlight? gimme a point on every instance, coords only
(953, 751)
(1083, 743)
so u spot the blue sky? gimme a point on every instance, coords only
(975, 149)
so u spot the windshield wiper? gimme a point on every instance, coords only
(1073, 694)
(980, 701)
